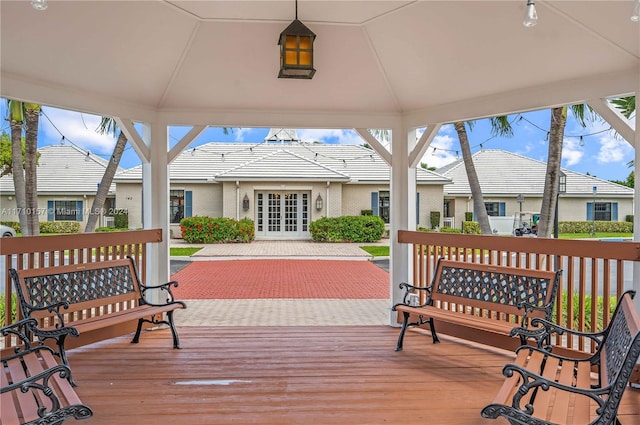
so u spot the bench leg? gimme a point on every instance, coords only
(63, 357)
(136, 337)
(405, 324)
(434, 335)
(174, 332)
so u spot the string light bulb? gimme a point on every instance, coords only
(530, 15)
(635, 14)
(39, 4)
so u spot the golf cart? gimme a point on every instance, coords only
(525, 224)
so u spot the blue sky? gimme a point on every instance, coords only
(599, 152)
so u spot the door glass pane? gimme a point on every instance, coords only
(274, 214)
(291, 212)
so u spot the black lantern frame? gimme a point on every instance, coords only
(296, 51)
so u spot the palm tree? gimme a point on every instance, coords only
(626, 105)
(23, 169)
(107, 125)
(499, 126)
(554, 159)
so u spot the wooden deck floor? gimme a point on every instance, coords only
(292, 375)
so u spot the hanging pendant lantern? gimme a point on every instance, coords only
(296, 51)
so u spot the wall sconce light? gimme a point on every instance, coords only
(635, 14)
(296, 51)
(245, 202)
(530, 15)
(319, 202)
(39, 4)
(9, 197)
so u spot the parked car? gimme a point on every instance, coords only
(7, 232)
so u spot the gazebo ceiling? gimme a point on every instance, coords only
(216, 62)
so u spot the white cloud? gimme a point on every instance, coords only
(77, 128)
(572, 152)
(335, 136)
(441, 151)
(613, 149)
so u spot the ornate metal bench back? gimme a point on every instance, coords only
(496, 286)
(75, 284)
(621, 347)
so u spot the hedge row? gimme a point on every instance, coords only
(49, 226)
(601, 226)
(217, 230)
(363, 228)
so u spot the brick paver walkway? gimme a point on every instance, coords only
(259, 279)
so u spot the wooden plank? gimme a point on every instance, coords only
(7, 402)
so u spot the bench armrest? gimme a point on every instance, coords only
(410, 290)
(21, 331)
(163, 288)
(532, 381)
(549, 328)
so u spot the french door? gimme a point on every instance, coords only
(282, 215)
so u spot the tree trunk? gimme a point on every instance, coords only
(32, 117)
(105, 184)
(476, 192)
(17, 170)
(552, 178)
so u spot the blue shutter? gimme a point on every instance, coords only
(188, 210)
(589, 211)
(417, 208)
(374, 203)
(502, 209)
(614, 211)
(50, 216)
(78, 210)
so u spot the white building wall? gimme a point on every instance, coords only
(129, 197)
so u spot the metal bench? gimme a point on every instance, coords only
(35, 389)
(90, 297)
(496, 299)
(546, 388)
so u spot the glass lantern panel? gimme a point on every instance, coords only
(291, 42)
(305, 58)
(305, 42)
(290, 57)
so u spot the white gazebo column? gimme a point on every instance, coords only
(155, 199)
(402, 212)
(636, 201)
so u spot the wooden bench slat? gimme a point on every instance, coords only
(583, 407)
(559, 409)
(26, 402)
(7, 401)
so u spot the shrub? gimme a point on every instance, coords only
(471, 227)
(216, 230)
(121, 219)
(59, 227)
(347, 229)
(109, 229)
(434, 219)
(468, 216)
(601, 226)
(450, 230)
(366, 212)
(15, 225)
(13, 309)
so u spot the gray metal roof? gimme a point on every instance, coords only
(216, 161)
(65, 169)
(506, 173)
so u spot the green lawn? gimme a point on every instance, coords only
(377, 250)
(383, 251)
(183, 252)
